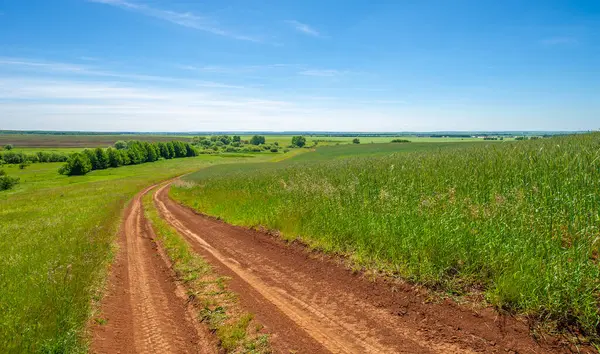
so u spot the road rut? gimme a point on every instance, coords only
(145, 309)
(313, 305)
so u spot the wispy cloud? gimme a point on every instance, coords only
(559, 40)
(90, 71)
(322, 73)
(304, 28)
(235, 69)
(185, 19)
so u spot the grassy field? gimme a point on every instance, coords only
(78, 141)
(53, 142)
(517, 221)
(55, 242)
(60, 150)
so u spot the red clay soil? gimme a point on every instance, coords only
(311, 304)
(144, 308)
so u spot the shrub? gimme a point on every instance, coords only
(8, 147)
(7, 182)
(120, 145)
(257, 140)
(12, 157)
(274, 149)
(400, 141)
(356, 141)
(23, 164)
(298, 141)
(77, 165)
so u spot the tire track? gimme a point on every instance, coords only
(337, 321)
(157, 319)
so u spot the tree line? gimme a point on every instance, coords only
(123, 153)
(12, 157)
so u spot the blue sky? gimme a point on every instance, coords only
(183, 65)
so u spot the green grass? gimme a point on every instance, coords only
(55, 242)
(518, 221)
(356, 150)
(235, 329)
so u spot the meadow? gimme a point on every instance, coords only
(74, 143)
(517, 222)
(56, 240)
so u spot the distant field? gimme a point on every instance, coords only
(355, 150)
(83, 141)
(55, 242)
(63, 150)
(55, 141)
(518, 221)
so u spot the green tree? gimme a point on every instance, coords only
(179, 149)
(237, 138)
(189, 150)
(298, 141)
(356, 141)
(91, 157)
(163, 150)
(257, 140)
(115, 159)
(78, 164)
(8, 147)
(171, 149)
(226, 139)
(101, 159)
(120, 145)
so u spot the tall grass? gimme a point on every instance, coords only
(519, 221)
(56, 234)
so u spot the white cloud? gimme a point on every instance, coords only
(185, 19)
(89, 71)
(304, 28)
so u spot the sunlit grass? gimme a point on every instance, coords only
(518, 221)
(56, 237)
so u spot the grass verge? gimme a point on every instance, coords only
(236, 330)
(518, 222)
(56, 239)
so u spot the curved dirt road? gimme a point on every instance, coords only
(145, 309)
(314, 305)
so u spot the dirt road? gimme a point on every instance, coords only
(313, 305)
(308, 302)
(145, 310)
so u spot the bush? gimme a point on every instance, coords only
(356, 141)
(274, 149)
(8, 147)
(7, 182)
(298, 141)
(77, 165)
(12, 157)
(400, 141)
(23, 164)
(120, 145)
(257, 140)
